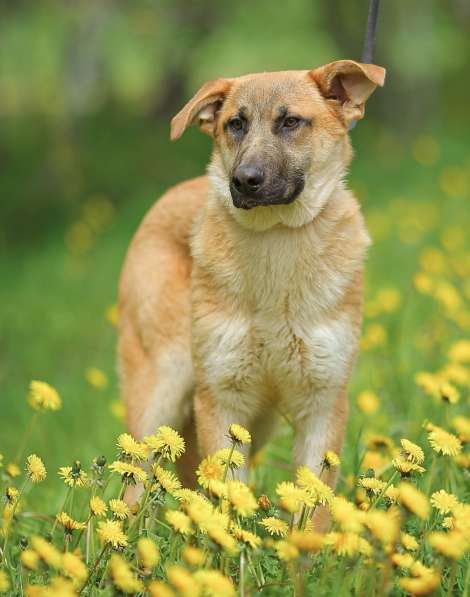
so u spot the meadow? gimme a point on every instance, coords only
(394, 534)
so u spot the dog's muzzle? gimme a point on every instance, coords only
(250, 188)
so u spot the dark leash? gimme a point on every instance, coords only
(369, 39)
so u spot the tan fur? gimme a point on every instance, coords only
(242, 314)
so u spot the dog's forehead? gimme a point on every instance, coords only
(266, 91)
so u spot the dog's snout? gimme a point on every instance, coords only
(248, 179)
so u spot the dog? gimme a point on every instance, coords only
(241, 293)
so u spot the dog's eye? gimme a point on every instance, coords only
(291, 122)
(236, 124)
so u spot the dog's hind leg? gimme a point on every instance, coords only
(157, 390)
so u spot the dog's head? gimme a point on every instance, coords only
(278, 137)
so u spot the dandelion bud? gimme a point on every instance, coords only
(264, 502)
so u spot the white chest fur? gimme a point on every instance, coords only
(278, 333)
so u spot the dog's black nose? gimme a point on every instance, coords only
(247, 179)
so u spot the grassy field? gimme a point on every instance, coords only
(56, 304)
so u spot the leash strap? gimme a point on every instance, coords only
(369, 39)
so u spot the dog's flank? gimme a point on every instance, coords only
(244, 289)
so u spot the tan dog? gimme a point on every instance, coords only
(241, 293)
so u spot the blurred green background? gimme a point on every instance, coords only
(86, 93)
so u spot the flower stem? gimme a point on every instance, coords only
(26, 435)
(94, 567)
(229, 460)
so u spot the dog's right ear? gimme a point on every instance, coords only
(203, 108)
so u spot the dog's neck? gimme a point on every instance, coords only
(319, 188)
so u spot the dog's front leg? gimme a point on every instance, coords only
(319, 428)
(215, 412)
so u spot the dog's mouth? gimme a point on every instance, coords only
(268, 197)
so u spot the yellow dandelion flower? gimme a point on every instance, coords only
(240, 496)
(193, 556)
(218, 488)
(130, 473)
(158, 588)
(148, 552)
(331, 459)
(379, 442)
(462, 519)
(74, 568)
(412, 451)
(112, 314)
(166, 442)
(423, 283)
(180, 522)
(118, 409)
(97, 506)
(239, 434)
(119, 508)
(443, 442)
(406, 467)
(214, 583)
(11, 494)
(382, 525)
(448, 522)
(168, 480)
(200, 511)
(183, 581)
(210, 469)
(346, 514)
(122, 575)
(460, 352)
(462, 425)
(42, 396)
(451, 545)
(413, 500)
(73, 476)
(347, 544)
(68, 523)
(372, 485)
(249, 539)
(291, 496)
(320, 492)
(307, 541)
(4, 582)
(13, 470)
(35, 469)
(274, 526)
(236, 458)
(130, 448)
(403, 560)
(456, 373)
(463, 461)
(110, 532)
(392, 493)
(368, 402)
(189, 496)
(220, 536)
(444, 502)
(449, 393)
(286, 551)
(421, 585)
(47, 552)
(96, 378)
(429, 383)
(29, 559)
(409, 542)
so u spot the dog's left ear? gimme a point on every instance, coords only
(349, 84)
(203, 108)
